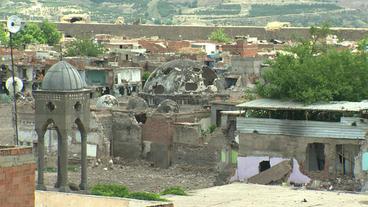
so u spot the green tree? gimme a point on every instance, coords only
(310, 74)
(220, 36)
(84, 47)
(30, 34)
(4, 38)
(363, 45)
(50, 32)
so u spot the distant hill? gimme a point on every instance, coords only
(339, 13)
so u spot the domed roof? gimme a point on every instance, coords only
(62, 77)
(106, 101)
(180, 77)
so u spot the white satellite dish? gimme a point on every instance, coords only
(15, 24)
(18, 85)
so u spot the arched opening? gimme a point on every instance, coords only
(83, 153)
(50, 137)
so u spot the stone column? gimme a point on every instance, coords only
(83, 184)
(57, 184)
(64, 185)
(41, 159)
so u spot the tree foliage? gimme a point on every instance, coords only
(314, 72)
(30, 34)
(84, 47)
(219, 35)
(50, 32)
(33, 33)
(3, 36)
(363, 45)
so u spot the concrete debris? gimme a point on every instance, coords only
(272, 175)
(338, 184)
(74, 187)
(139, 175)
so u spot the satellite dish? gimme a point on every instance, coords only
(18, 85)
(15, 24)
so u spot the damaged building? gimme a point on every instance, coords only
(320, 140)
(185, 82)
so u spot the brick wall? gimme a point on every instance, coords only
(17, 177)
(158, 129)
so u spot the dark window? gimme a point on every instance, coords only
(316, 156)
(264, 165)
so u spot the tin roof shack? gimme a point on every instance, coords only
(322, 140)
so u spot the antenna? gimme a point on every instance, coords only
(18, 85)
(14, 25)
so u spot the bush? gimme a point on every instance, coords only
(146, 196)
(113, 190)
(211, 129)
(220, 36)
(110, 190)
(174, 191)
(146, 75)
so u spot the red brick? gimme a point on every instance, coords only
(17, 183)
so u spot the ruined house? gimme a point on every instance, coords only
(321, 140)
(185, 82)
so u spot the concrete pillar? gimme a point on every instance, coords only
(330, 159)
(41, 159)
(64, 185)
(83, 184)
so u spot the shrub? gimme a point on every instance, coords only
(146, 196)
(110, 190)
(146, 75)
(176, 190)
(211, 129)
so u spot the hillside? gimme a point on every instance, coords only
(340, 13)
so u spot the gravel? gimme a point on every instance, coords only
(141, 176)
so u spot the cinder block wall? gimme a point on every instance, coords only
(17, 177)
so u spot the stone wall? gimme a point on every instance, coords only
(157, 135)
(17, 177)
(127, 136)
(182, 99)
(195, 148)
(175, 32)
(6, 129)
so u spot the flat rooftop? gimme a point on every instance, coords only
(252, 195)
(275, 104)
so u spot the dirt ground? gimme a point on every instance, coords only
(140, 176)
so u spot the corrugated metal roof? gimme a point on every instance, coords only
(274, 104)
(337, 130)
(237, 112)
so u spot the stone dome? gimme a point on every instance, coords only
(106, 101)
(62, 77)
(180, 77)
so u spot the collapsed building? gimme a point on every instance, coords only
(185, 82)
(320, 140)
(127, 127)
